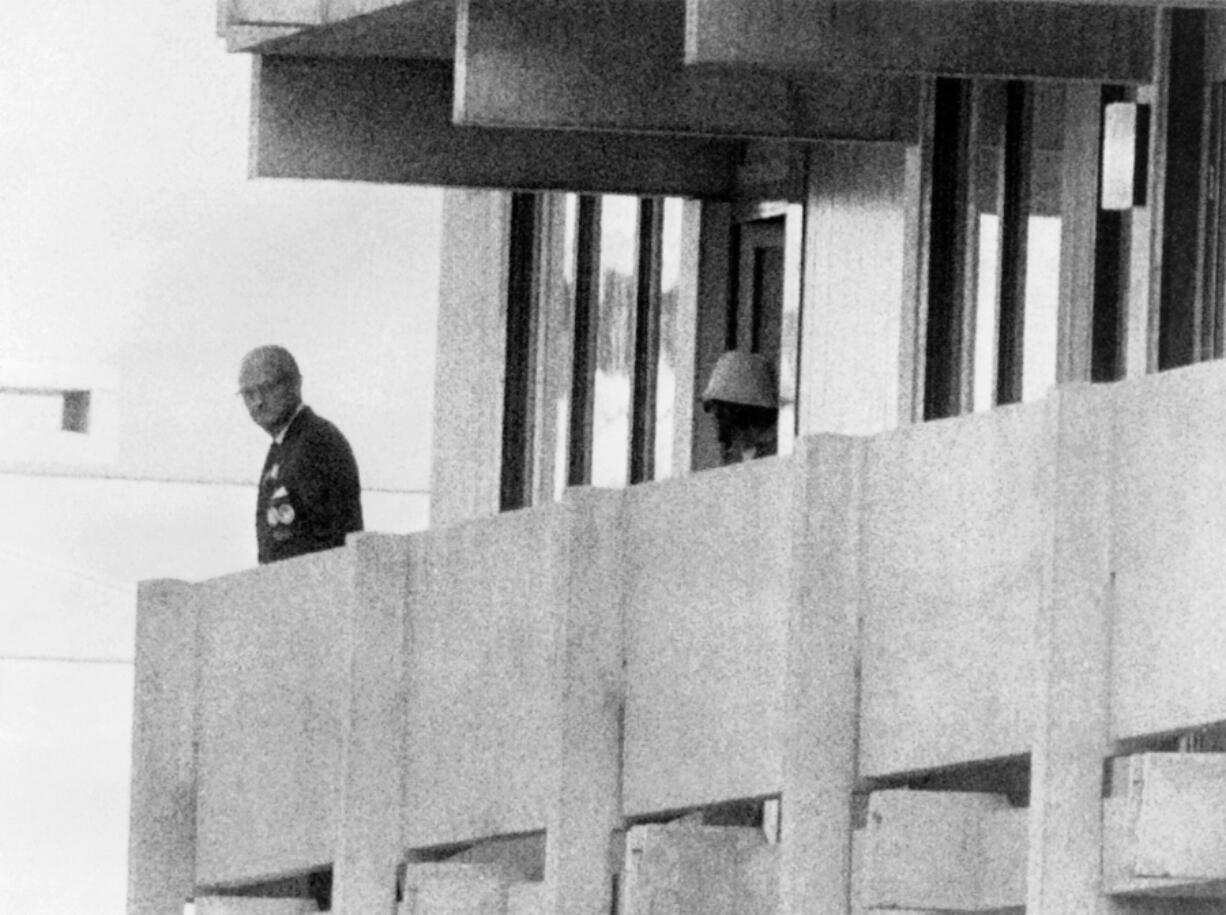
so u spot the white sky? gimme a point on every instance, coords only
(131, 237)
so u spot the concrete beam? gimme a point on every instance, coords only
(303, 13)
(422, 29)
(389, 121)
(1070, 41)
(619, 67)
(274, 12)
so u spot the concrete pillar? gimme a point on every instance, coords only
(1072, 736)
(819, 749)
(162, 838)
(586, 812)
(368, 846)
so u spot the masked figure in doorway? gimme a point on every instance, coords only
(743, 397)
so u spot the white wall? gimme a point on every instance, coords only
(855, 322)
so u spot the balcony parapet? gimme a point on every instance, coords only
(1002, 585)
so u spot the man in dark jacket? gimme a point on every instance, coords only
(310, 494)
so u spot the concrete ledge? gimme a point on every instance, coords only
(244, 905)
(948, 850)
(456, 889)
(1164, 828)
(687, 869)
(526, 898)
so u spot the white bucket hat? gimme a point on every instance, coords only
(743, 378)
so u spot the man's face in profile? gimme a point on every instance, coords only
(269, 393)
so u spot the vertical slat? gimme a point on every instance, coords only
(520, 366)
(587, 314)
(162, 837)
(368, 842)
(585, 816)
(1074, 657)
(822, 697)
(1014, 218)
(646, 341)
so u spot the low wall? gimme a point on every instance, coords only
(273, 687)
(942, 595)
(706, 576)
(953, 529)
(1168, 666)
(479, 709)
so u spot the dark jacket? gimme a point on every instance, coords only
(310, 496)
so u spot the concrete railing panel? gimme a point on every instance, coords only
(273, 687)
(707, 578)
(954, 541)
(1168, 669)
(481, 718)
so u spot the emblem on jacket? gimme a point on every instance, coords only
(280, 513)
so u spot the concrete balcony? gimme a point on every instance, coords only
(1039, 582)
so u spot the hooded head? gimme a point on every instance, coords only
(747, 379)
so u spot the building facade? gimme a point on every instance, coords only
(956, 647)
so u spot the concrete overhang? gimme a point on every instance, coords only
(1019, 39)
(628, 96)
(388, 120)
(1072, 40)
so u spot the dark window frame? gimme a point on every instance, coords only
(521, 369)
(515, 485)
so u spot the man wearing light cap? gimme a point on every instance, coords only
(743, 397)
(310, 496)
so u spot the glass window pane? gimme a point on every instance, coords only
(986, 317)
(561, 340)
(666, 370)
(1042, 306)
(1040, 297)
(614, 340)
(789, 333)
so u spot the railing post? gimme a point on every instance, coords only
(162, 837)
(586, 809)
(368, 846)
(1072, 736)
(822, 698)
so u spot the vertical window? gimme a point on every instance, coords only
(1179, 321)
(616, 267)
(668, 354)
(75, 417)
(994, 264)
(1215, 229)
(1122, 184)
(947, 289)
(592, 334)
